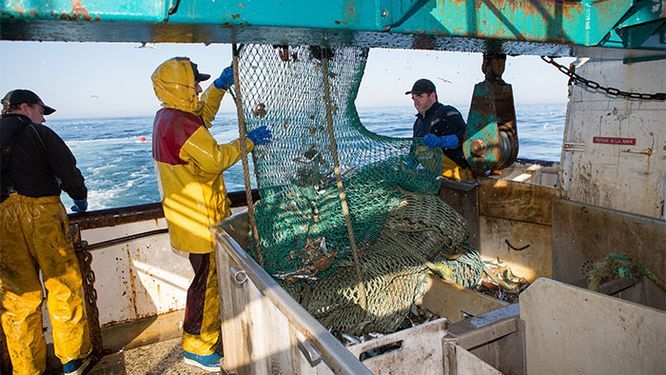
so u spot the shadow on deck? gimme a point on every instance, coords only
(155, 359)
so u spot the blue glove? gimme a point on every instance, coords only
(445, 141)
(80, 205)
(226, 79)
(261, 135)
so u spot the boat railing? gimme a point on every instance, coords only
(245, 303)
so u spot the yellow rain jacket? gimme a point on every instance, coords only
(188, 160)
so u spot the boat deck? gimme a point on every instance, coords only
(164, 357)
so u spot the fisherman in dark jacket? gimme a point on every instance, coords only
(441, 126)
(34, 237)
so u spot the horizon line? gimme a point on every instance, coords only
(232, 112)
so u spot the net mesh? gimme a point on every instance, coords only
(403, 230)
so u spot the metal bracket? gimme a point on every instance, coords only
(394, 13)
(310, 352)
(239, 276)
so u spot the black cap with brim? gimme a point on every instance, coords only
(422, 86)
(198, 77)
(21, 96)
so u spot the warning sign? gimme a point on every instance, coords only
(614, 141)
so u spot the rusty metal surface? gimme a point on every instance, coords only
(547, 27)
(207, 34)
(614, 147)
(90, 294)
(115, 216)
(491, 136)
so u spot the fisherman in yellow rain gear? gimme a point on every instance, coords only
(34, 236)
(189, 164)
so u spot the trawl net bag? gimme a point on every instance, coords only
(402, 229)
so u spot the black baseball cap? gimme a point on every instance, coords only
(422, 86)
(20, 96)
(199, 77)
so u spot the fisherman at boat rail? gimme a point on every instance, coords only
(440, 126)
(34, 237)
(189, 165)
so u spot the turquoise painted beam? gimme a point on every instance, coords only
(644, 26)
(578, 22)
(553, 27)
(140, 11)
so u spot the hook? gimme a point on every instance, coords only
(515, 248)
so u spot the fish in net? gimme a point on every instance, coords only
(402, 229)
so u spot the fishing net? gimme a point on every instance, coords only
(619, 266)
(402, 229)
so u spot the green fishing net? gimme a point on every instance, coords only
(403, 230)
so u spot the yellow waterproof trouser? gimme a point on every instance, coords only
(34, 236)
(201, 326)
(452, 171)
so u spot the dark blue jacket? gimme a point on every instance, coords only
(41, 164)
(443, 120)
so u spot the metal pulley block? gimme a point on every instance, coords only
(491, 138)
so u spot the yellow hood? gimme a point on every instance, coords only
(174, 85)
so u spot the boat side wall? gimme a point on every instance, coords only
(510, 220)
(614, 151)
(135, 280)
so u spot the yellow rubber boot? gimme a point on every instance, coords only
(452, 171)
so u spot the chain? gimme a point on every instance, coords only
(89, 280)
(85, 261)
(84, 258)
(610, 91)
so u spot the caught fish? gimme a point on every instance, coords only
(260, 110)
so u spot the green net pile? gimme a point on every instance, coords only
(403, 230)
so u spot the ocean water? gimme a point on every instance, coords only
(118, 167)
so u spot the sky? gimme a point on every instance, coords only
(89, 80)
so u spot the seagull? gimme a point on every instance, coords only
(147, 45)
